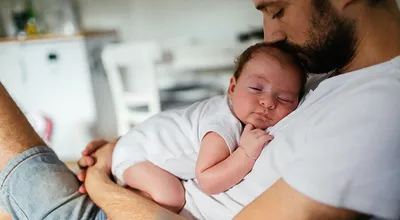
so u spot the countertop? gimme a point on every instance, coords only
(91, 33)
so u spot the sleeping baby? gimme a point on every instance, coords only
(215, 141)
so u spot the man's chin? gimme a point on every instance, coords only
(313, 66)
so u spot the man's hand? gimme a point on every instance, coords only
(253, 141)
(103, 157)
(91, 156)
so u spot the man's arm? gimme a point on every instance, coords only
(16, 133)
(120, 203)
(282, 202)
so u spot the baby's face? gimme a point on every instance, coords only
(266, 91)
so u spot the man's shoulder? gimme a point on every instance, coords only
(354, 103)
(370, 88)
(348, 155)
(383, 74)
(375, 92)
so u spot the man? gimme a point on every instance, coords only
(348, 164)
(336, 157)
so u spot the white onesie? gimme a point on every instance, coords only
(171, 139)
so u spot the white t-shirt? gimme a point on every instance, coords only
(341, 147)
(171, 139)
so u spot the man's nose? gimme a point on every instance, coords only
(272, 31)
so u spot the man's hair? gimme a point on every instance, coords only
(268, 49)
(376, 2)
(323, 5)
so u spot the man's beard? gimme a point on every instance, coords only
(331, 43)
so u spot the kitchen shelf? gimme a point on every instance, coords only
(91, 33)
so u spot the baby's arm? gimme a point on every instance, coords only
(216, 170)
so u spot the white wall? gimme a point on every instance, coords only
(173, 20)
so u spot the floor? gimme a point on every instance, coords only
(4, 216)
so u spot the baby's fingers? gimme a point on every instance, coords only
(258, 133)
(265, 138)
(248, 128)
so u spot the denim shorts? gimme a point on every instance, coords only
(37, 185)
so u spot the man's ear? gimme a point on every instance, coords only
(344, 4)
(340, 5)
(232, 87)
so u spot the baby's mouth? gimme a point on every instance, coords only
(263, 115)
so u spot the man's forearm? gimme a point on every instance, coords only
(16, 133)
(120, 203)
(283, 202)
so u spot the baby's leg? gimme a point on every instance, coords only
(163, 187)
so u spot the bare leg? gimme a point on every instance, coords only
(16, 134)
(163, 187)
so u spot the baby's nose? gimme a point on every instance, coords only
(268, 102)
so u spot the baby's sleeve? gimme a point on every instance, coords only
(126, 153)
(227, 126)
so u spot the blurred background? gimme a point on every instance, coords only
(83, 69)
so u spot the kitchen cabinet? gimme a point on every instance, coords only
(53, 77)
(11, 73)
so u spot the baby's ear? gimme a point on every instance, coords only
(232, 87)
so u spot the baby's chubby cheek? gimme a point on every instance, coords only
(241, 111)
(282, 113)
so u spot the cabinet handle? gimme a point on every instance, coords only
(52, 57)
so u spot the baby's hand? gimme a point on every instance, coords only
(253, 141)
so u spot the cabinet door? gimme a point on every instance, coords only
(12, 72)
(59, 86)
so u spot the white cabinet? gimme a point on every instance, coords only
(11, 72)
(53, 78)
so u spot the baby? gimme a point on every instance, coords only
(207, 140)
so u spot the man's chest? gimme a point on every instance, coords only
(276, 157)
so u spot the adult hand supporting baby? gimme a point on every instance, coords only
(253, 141)
(118, 202)
(96, 152)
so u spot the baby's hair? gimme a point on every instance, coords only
(268, 49)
